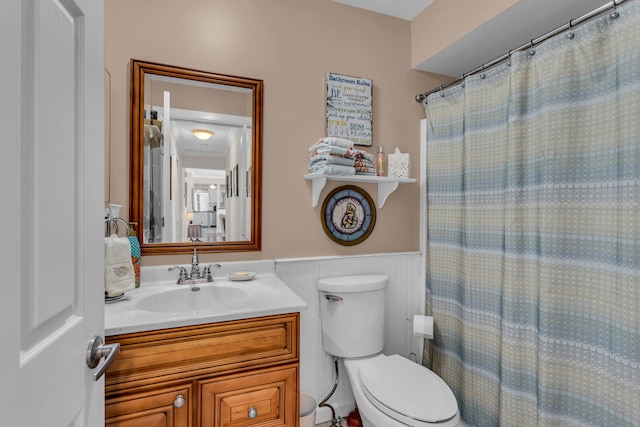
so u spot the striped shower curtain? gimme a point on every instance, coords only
(533, 260)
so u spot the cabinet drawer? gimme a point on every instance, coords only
(266, 398)
(170, 354)
(165, 407)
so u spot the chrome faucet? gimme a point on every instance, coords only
(195, 276)
(195, 270)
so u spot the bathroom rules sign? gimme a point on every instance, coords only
(349, 108)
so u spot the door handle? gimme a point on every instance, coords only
(97, 350)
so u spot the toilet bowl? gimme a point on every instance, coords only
(390, 391)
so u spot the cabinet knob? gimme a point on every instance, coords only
(179, 402)
(253, 412)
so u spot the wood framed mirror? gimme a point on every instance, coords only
(195, 161)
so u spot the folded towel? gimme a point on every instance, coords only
(360, 160)
(333, 169)
(339, 142)
(331, 160)
(118, 268)
(152, 135)
(364, 167)
(364, 155)
(331, 149)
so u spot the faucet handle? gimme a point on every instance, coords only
(206, 272)
(183, 274)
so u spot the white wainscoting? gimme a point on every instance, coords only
(405, 297)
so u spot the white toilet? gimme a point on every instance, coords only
(391, 391)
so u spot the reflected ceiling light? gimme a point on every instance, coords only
(202, 134)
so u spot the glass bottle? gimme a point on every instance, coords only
(381, 161)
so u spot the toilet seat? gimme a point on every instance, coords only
(406, 391)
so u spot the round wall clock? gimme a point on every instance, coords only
(348, 215)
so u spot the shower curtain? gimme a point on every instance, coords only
(533, 254)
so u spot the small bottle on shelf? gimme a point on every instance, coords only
(381, 161)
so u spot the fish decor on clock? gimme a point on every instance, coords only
(348, 215)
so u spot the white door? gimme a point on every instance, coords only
(51, 211)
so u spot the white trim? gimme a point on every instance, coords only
(341, 257)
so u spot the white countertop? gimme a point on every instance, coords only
(263, 296)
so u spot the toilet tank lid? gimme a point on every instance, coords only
(355, 283)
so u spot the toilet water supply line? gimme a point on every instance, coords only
(334, 421)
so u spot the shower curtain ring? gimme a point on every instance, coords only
(615, 14)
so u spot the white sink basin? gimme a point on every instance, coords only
(186, 300)
(160, 303)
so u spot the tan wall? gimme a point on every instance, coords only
(446, 21)
(291, 45)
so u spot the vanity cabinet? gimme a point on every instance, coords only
(249, 399)
(226, 374)
(165, 407)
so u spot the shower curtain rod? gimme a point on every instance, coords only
(572, 23)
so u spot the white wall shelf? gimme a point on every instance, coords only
(386, 185)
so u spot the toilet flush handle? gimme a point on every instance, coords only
(333, 298)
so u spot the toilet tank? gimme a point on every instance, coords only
(352, 314)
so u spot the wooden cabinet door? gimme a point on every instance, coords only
(265, 398)
(166, 407)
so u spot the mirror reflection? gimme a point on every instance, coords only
(196, 153)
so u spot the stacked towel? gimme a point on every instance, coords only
(334, 170)
(337, 142)
(332, 156)
(337, 156)
(330, 159)
(364, 163)
(118, 268)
